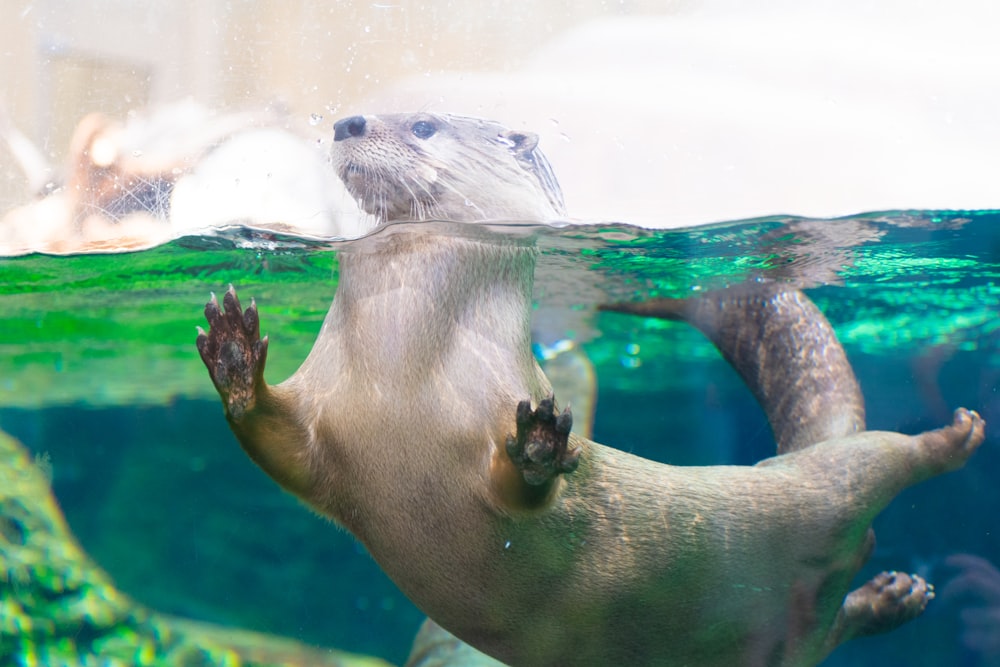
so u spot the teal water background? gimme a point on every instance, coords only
(98, 369)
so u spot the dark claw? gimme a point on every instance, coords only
(564, 422)
(251, 321)
(212, 312)
(231, 305)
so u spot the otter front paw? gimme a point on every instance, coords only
(886, 602)
(233, 352)
(540, 448)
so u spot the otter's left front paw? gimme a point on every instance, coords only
(540, 449)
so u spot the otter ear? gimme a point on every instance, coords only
(524, 146)
(521, 142)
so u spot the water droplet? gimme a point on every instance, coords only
(631, 362)
(368, 28)
(315, 119)
(136, 153)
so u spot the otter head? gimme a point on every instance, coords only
(427, 166)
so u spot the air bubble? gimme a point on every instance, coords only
(315, 119)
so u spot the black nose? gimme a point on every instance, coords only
(353, 126)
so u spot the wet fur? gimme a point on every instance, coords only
(470, 169)
(395, 425)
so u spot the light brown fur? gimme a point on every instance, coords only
(395, 425)
(469, 170)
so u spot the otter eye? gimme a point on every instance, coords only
(423, 129)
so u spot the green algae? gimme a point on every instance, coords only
(116, 329)
(119, 328)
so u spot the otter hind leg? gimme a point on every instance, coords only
(891, 599)
(948, 448)
(540, 448)
(785, 351)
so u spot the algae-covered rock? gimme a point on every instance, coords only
(436, 647)
(57, 607)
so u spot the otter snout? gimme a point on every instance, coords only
(352, 126)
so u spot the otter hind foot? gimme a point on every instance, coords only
(540, 448)
(886, 602)
(949, 447)
(233, 352)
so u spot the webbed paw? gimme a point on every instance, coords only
(233, 352)
(887, 601)
(952, 445)
(540, 448)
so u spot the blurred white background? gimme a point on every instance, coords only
(659, 113)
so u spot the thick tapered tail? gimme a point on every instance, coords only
(783, 348)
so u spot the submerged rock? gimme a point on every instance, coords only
(57, 607)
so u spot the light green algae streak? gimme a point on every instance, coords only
(119, 329)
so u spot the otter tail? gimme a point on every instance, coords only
(783, 348)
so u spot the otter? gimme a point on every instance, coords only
(421, 422)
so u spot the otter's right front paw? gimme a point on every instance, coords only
(233, 352)
(540, 449)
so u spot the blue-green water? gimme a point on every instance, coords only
(98, 369)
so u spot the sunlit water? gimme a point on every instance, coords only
(98, 368)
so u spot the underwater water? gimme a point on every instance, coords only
(99, 374)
